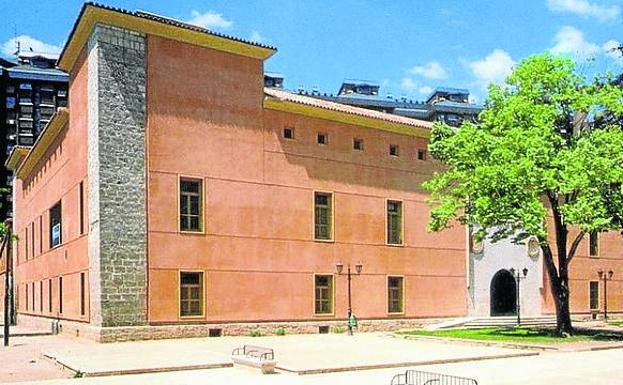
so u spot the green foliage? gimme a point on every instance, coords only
(280, 332)
(516, 335)
(536, 144)
(338, 329)
(256, 333)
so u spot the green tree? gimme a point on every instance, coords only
(535, 165)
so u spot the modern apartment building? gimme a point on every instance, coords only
(177, 196)
(31, 89)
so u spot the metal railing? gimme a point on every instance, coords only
(255, 351)
(416, 377)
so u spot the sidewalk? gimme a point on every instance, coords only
(298, 354)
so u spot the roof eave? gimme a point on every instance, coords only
(43, 143)
(92, 14)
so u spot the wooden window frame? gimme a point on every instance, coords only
(325, 138)
(50, 226)
(83, 307)
(394, 146)
(361, 142)
(331, 211)
(590, 251)
(60, 295)
(403, 294)
(50, 293)
(402, 222)
(81, 207)
(331, 291)
(203, 292)
(202, 203)
(591, 308)
(422, 154)
(32, 239)
(292, 132)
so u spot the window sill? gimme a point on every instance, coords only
(402, 314)
(327, 315)
(192, 317)
(395, 244)
(189, 232)
(324, 240)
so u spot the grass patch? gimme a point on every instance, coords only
(616, 323)
(516, 335)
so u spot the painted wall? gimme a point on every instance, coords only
(56, 177)
(205, 120)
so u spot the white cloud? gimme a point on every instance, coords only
(408, 84)
(425, 90)
(431, 70)
(585, 8)
(494, 68)
(612, 49)
(571, 41)
(27, 43)
(256, 37)
(209, 20)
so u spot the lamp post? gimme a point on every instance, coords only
(518, 277)
(340, 267)
(6, 244)
(605, 276)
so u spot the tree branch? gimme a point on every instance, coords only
(574, 246)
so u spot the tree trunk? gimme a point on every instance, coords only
(563, 315)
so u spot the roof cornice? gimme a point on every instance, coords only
(92, 14)
(42, 144)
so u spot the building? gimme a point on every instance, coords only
(178, 197)
(444, 104)
(31, 89)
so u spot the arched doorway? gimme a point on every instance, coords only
(503, 294)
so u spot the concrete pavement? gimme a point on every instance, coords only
(579, 368)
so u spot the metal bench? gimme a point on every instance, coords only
(255, 356)
(416, 377)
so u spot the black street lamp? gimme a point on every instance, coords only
(340, 267)
(518, 277)
(605, 276)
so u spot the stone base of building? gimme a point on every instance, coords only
(147, 332)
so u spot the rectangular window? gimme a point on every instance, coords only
(323, 285)
(191, 294)
(393, 150)
(288, 133)
(32, 292)
(323, 138)
(394, 222)
(26, 297)
(593, 246)
(395, 294)
(60, 295)
(50, 295)
(26, 238)
(82, 295)
(32, 239)
(421, 154)
(55, 225)
(41, 296)
(323, 216)
(40, 234)
(81, 208)
(594, 295)
(191, 205)
(358, 144)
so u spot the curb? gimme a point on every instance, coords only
(509, 345)
(405, 364)
(80, 373)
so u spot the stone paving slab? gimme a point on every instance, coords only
(299, 354)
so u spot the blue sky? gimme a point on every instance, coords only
(409, 47)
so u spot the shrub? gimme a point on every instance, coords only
(256, 333)
(280, 332)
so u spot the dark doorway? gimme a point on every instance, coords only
(503, 294)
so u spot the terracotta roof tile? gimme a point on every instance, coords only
(310, 101)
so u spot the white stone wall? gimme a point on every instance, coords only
(498, 256)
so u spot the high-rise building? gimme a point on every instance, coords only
(31, 89)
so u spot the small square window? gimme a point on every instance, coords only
(358, 144)
(288, 133)
(421, 154)
(393, 150)
(323, 138)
